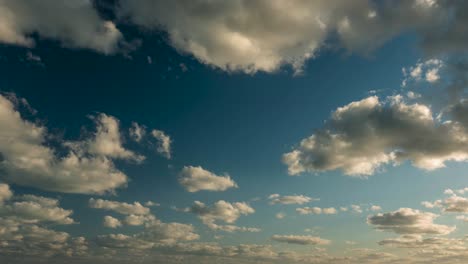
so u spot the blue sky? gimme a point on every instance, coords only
(334, 132)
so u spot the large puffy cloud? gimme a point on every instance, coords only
(409, 221)
(363, 135)
(222, 211)
(120, 207)
(74, 23)
(300, 240)
(85, 167)
(111, 222)
(290, 199)
(196, 179)
(234, 35)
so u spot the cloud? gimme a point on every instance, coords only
(375, 208)
(428, 71)
(111, 222)
(222, 211)
(316, 210)
(195, 179)
(5, 192)
(290, 199)
(300, 240)
(74, 23)
(164, 143)
(85, 167)
(137, 132)
(409, 221)
(417, 241)
(24, 221)
(107, 140)
(234, 36)
(455, 204)
(356, 208)
(120, 207)
(364, 135)
(280, 215)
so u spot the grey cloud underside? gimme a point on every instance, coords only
(233, 35)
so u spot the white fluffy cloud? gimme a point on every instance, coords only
(300, 240)
(222, 211)
(120, 207)
(75, 23)
(409, 221)
(86, 166)
(290, 199)
(363, 135)
(195, 179)
(316, 210)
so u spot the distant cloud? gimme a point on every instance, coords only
(290, 199)
(120, 207)
(409, 221)
(316, 210)
(195, 179)
(300, 240)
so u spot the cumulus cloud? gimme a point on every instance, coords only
(222, 211)
(107, 140)
(409, 221)
(234, 36)
(86, 166)
(195, 179)
(74, 23)
(120, 207)
(111, 222)
(316, 210)
(300, 240)
(290, 199)
(364, 135)
(163, 143)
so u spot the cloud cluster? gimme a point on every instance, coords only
(363, 135)
(120, 207)
(290, 199)
(195, 179)
(23, 227)
(85, 167)
(409, 221)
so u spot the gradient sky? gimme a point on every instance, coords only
(233, 131)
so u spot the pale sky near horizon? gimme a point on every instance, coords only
(233, 131)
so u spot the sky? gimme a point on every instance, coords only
(150, 131)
